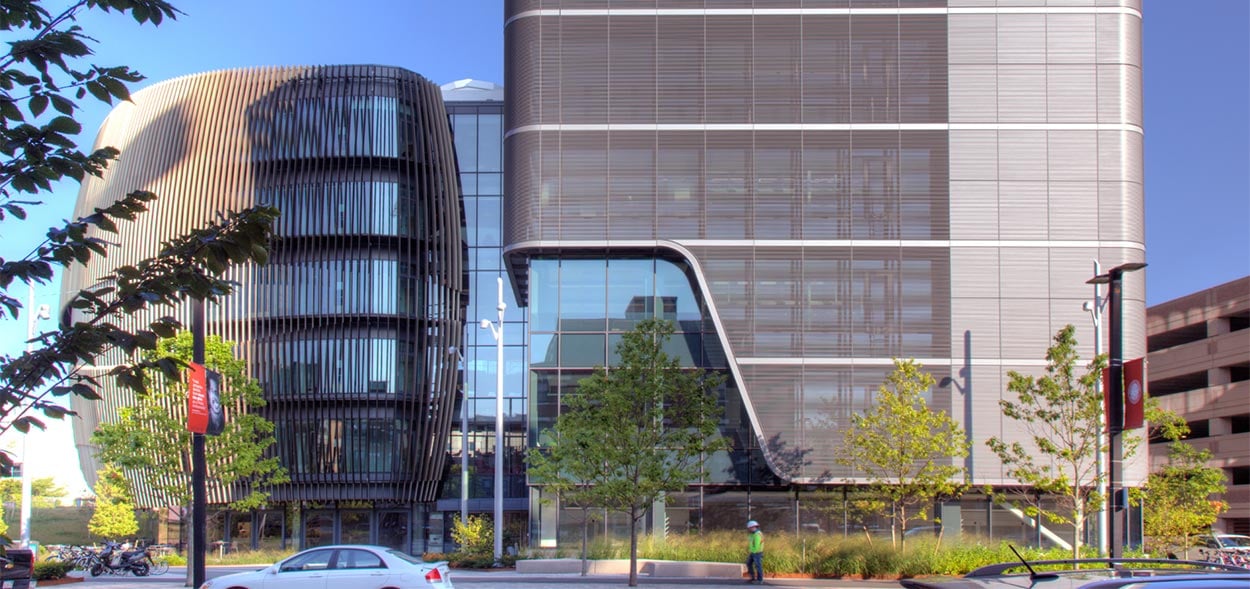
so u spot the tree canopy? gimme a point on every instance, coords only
(1060, 413)
(43, 76)
(151, 438)
(907, 451)
(1181, 498)
(633, 432)
(44, 492)
(114, 516)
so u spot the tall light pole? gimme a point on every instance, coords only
(1095, 312)
(464, 435)
(496, 330)
(44, 312)
(1115, 413)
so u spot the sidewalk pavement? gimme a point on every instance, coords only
(470, 579)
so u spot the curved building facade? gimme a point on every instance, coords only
(835, 184)
(352, 325)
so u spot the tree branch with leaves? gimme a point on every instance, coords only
(42, 71)
(908, 452)
(632, 432)
(151, 440)
(1060, 414)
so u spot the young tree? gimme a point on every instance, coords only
(1060, 414)
(151, 437)
(1177, 498)
(44, 491)
(907, 451)
(633, 432)
(44, 70)
(114, 516)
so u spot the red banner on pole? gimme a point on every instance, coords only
(1134, 393)
(197, 398)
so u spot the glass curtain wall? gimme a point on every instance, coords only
(478, 133)
(579, 310)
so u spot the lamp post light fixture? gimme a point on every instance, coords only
(1094, 308)
(496, 330)
(43, 312)
(1115, 412)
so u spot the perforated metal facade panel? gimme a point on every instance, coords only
(851, 181)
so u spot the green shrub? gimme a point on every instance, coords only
(246, 557)
(46, 570)
(475, 536)
(174, 560)
(463, 560)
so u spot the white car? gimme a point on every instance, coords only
(328, 567)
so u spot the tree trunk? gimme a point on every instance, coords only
(633, 546)
(585, 534)
(1078, 529)
(893, 525)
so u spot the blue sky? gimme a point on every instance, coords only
(1197, 88)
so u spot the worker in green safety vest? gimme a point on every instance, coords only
(755, 553)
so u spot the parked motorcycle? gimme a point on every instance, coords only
(114, 560)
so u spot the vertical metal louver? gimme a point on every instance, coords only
(348, 328)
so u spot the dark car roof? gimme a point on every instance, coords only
(1096, 574)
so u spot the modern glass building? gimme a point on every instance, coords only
(476, 109)
(352, 326)
(812, 188)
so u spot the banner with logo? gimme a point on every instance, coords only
(1134, 393)
(205, 414)
(197, 398)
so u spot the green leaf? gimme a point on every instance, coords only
(99, 91)
(116, 88)
(62, 105)
(66, 125)
(9, 111)
(38, 103)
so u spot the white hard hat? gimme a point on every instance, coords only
(753, 524)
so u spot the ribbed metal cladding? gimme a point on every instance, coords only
(349, 328)
(852, 180)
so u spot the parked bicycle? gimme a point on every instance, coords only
(1228, 557)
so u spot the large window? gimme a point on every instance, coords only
(374, 203)
(327, 367)
(345, 286)
(350, 444)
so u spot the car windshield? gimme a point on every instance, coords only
(1235, 541)
(405, 557)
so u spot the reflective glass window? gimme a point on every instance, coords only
(490, 184)
(583, 293)
(582, 350)
(673, 286)
(490, 142)
(489, 221)
(544, 300)
(631, 293)
(354, 529)
(543, 351)
(465, 128)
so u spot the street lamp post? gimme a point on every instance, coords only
(496, 330)
(44, 312)
(464, 436)
(1095, 312)
(1115, 412)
